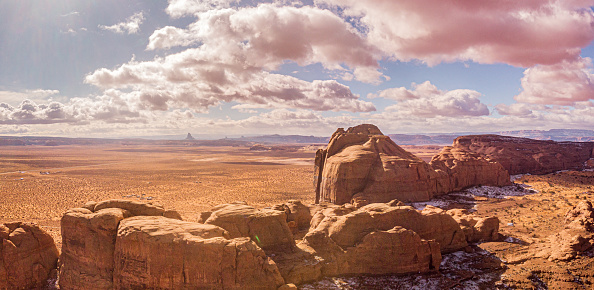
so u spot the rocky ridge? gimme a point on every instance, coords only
(522, 155)
(119, 244)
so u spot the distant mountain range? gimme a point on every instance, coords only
(573, 135)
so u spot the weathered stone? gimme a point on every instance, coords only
(476, 229)
(134, 207)
(370, 241)
(363, 166)
(27, 256)
(523, 155)
(162, 253)
(349, 229)
(88, 241)
(298, 214)
(267, 228)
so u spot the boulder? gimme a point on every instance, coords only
(375, 240)
(298, 215)
(267, 228)
(88, 241)
(155, 252)
(523, 155)
(27, 256)
(347, 230)
(576, 238)
(475, 228)
(362, 166)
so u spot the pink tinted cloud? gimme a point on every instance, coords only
(238, 49)
(564, 83)
(268, 35)
(520, 33)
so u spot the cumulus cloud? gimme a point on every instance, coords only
(425, 100)
(564, 83)
(268, 35)
(520, 33)
(130, 26)
(200, 78)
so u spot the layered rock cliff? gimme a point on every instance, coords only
(522, 155)
(361, 165)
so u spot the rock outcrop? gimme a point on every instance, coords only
(88, 241)
(154, 252)
(27, 256)
(361, 165)
(267, 228)
(128, 245)
(522, 155)
(578, 235)
(476, 229)
(347, 229)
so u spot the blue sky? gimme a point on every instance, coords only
(226, 67)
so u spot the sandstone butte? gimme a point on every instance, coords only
(361, 165)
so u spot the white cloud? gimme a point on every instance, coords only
(425, 100)
(564, 83)
(267, 35)
(130, 26)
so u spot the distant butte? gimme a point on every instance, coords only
(189, 137)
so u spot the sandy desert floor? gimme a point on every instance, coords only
(39, 183)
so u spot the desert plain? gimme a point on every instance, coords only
(39, 183)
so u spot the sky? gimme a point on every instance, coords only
(110, 68)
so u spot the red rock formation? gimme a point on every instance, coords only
(267, 228)
(88, 241)
(347, 227)
(362, 166)
(160, 253)
(27, 256)
(522, 155)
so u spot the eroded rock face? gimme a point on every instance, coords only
(578, 235)
(375, 239)
(362, 166)
(522, 155)
(27, 256)
(476, 229)
(154, 252)
(349, 229)
(88, 241)
(298, 215)
(267, 228)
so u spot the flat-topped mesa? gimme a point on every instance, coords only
(361, 165)
(522, 155)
